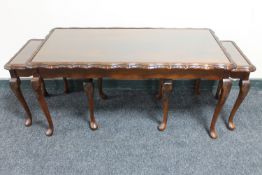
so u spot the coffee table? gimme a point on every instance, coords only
(132, 53)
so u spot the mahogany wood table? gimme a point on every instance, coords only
(17, 68)
(242, 71)
(131, 53)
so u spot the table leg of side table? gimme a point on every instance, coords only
(15, 86)
(226, 87)
(37, 86)
(44, 91)
(89, 90)
(197, 86)
(160, 94)
(166, 91)
(220, 83)
(66, 87)
(244, 86)
(100, 88)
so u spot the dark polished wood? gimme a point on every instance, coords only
(100, 89)
(244, 86)
(219, 86)
(243, 64)
(226, 86)
(121, 48)
(44, 91)
(37, 86)
(160, 94)
(66, 86)
(116, 53)
(131, 54)
(17, 68)
(197, 87)
(15, 86)
(89, 90)
(166, 91)
(241, 72)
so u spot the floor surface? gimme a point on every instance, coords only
(128, 141)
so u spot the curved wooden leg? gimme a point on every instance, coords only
(160, 94)
(15, 86)
(244, 86)
(89, 90)
(66, 87)
(197, 86)
(166, 91)
(220, 83)
(44, 91)
(100, 89)
(226, 86)
(36, 84)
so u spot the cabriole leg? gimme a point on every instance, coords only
(100, 88)
(37, 86)
(197, 87)
(44, 91)
(166, 91)
(244, 86)
(89, 90)
(219, 89)
(15, 86)
(226, 86)
(160, 94)
(66, 87)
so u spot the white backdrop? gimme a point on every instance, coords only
(236, 20)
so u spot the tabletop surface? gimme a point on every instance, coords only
(237, 56)
(85, 46)
(20, 59)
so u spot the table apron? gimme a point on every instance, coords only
(132, 74)
(24, 72)
(240, 75)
